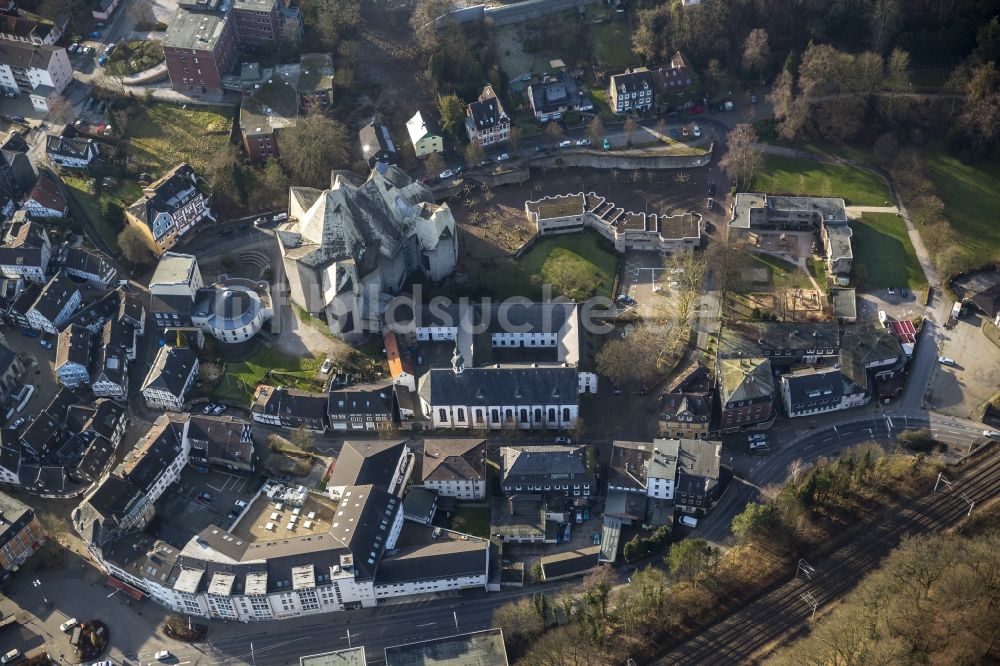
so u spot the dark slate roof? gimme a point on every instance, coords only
(95, 459)
(552, 93)
(73, 346)
(814, 385)
(97, 312)
(88, 261)
(500, 386)
(571, 562)
(158, 448)
(47, 193)
(292, 403)
(110, 364)
(15, 514)
(633, 81)
(131, 308)
(532, 464)
(486, 111)
(23, 245)
(10, 452)
(26, 298)
(454, 459)
(25, 55)
(362, 523)
(114, 497)
(171, 369)
(375, 139)
(170, 303)
(428, 558)
(54, 296)
(750, 338)
(528, 317)
(75, 148)
(367, 463)
(165, 195)
(224, 438)
(42, 433)
(361, 399)
(699, 457)
(43, 478)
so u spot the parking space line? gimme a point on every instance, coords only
(218, 490)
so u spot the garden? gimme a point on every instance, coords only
(137, 56)
(796, 176)
(161, 136)
(883, 254)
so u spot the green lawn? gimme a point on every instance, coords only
(611, 42)
(883, 254)
(818, 269)
(473, 520)
(971, 196)
(790, 175)
(126, 193)
(581, 254)
(163, 135)
(782, 274)
(293, 372)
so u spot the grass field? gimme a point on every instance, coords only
(883, 254)
(163, 135)
(611, 42)
(782, 274)
(971, 196)
(790, 175)
(294, 372)
(581, 253)
(472, 520)
(126, 194)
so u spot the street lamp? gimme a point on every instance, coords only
(38, 584)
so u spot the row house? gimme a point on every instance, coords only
(362, 407)
(746, 392)
(26, 251)
(289, 408)
(170, 378)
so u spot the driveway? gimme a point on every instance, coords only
(964, 389)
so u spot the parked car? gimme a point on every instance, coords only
(759, 446)
(696, 109)
(485, 162)
(218, 409)
(710, 203)
(675, 134)
(205, 497)
(109, 48)
(711, 189)
(460, 170)
(89, 104)
(503, 157)
(684, 131)
(579, 517)
(992, 434)
(162, 655)
(697, 131)
(68, 624)
(259, 221)
(102, 106)
(446, 174)
(562, 439)
(541, 149)
(944, 360)
(568, 533)
(565, 144)
(96, 34)
(279, 217)
(73, 47)
(102, 61)
(19, 119)
(17, 424)
(689, 521)
(757, 437)
(9, 657)
(753, 99)
(583, 142)
(586, 513)
(327, 367)
(606, 145)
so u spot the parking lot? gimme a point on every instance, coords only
(901, 304)
(203, 498)
(963, 389)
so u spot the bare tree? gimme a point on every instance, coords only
(743, 158)
(313, 147)
(423, 21)
(134, 247)
(141, 13)
(60, 111)
(630, 127)
(474, 153)
(514, 138)
(595, 130)
(756, 50)
(434, 164)
(555, 131)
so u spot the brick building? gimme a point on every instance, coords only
(199, 48)
(20, 533)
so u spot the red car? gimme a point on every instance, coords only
(696, 109)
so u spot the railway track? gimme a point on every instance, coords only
(746, 634)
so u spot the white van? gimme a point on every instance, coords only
(689, 521)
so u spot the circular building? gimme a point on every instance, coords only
(232, 310)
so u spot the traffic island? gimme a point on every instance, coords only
(181, 628)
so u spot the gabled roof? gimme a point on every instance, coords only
(536, 464)
(173, 190)
(73, 346)
(70, 147)
(88, 262)
(157, 449)
(367, 463)
(361, 399)
(375, 139)
(745, 379)
(170, 370)
(225, 438)
(398, 365)
(487, 111)
(454, 460)
(54, 296)
(420, 126)
(292, 403)
(46, 193)
(500, 386)
(25, 55)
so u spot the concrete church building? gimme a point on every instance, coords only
(346, 248)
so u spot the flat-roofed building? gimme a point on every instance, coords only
(482, 648)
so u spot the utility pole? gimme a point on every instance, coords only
(941, 479)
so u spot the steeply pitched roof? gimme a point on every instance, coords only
(367, 463)
(500, 386)
(421, 125)
(54, 296)
(454, 460)
(73, 346)
(536, 464)
(171, 368)
(361, 399)
(46, 193)
(25, 55)
(487, 111)
(291, 403)
(173, 190)
(745, 379)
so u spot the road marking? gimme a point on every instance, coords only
(429, 624)
(218, 490)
